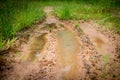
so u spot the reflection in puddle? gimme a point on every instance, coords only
(67, 54)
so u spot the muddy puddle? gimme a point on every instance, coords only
(101, 41)
(67, 55)
(37, 47)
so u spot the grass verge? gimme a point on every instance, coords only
(105, 14)
(15, 16)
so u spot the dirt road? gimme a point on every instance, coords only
(58, 50)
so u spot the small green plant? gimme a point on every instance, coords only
(103, 75)
(23, 57)
(76, 24)
(106, 58)
(48, 27)
(17, 53)
(10, 42)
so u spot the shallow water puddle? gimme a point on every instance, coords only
(36, 47)
(67, 55)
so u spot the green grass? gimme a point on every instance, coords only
(2, 42)
(111, 23)
(26, 17)
(102, 14)
(64, 12)
(15, 16)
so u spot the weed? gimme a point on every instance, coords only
(17, 53)
(77, 24)
(103, 75)
(10, 42)
(77, 27)
(23, 57)
(106, 58)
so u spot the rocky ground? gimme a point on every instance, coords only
(62, 50)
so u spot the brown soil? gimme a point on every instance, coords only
(57, 50)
